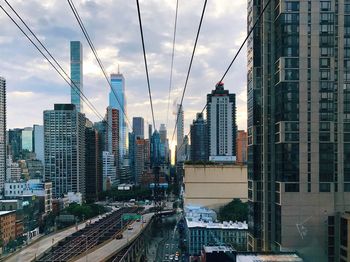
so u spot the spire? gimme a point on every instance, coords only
(118, 69)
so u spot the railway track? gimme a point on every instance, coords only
(89, 237)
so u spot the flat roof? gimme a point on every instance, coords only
(211, 249)
(213, 225)
(268, 257)
(8, 200)
(2, 213)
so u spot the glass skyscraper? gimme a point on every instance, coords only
(117, 100)
(76, 72)
(298, 124)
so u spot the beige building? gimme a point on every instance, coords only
(213, 186)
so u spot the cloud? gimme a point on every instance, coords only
(113, 27)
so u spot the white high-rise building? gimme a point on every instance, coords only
(2, 132)
(64, 143)
(109, 170)
(221, 117)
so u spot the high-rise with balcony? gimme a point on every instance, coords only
(117, 100)
(64, 147)
(76, 74)
(298, 123)
(2, 132)
(221, 121)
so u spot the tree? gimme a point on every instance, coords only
(236, 210)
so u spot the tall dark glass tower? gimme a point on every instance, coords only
(298, 124)
(199, 139)
(76, 72)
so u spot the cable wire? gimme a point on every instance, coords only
(93, 49)
(237, 53)
(172, 61)
(145, 60)
(92, 107)
(189, 67)
(81, 94)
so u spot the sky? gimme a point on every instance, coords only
(33, 86)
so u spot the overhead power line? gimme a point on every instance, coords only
(172, 60)
(93, 49)
(235, 57)
(77, 90)
(145, 60)
(189, 67)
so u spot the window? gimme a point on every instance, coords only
(325, 5)
(325, 62)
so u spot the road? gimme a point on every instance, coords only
(32, 251)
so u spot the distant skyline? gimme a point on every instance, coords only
(33, 86)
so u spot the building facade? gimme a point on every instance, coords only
(93, 164)
(138, 127)
(14, 143)
(298, 123)
(112, 134)
(2, 132)
(64, 138)
(221, 121)
(199, 139)
(109, 170)
(241, 147)
(76, 74)
(180, 134)
(214, 186)
(7, 226)
(117, 100)
(38, 134)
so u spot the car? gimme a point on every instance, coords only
(130, 228)
(171, 257)
(119, 236)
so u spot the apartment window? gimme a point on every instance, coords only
(325, 5)
(325, 62)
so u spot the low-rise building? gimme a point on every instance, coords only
(215, 185)
(202, 230)
(9, 204)
(7, 226)
(33, 187)
(227, 254)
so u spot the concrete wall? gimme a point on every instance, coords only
(213, 186)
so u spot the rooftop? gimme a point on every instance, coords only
(212, 249)
(214, 225)
(2, 213)
(251, 257)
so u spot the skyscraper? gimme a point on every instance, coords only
(221, 121)
(27, 139)
(199, 139)
(139, 159)
(38, 133)
(150, 132)
(180, 134)
(298, 124)
(112, 136)
(117, 100)
(93, 163)
(2, 132)
(64, 139)
(138, 127)
(76, 74)
(14, 143)
(163, 133)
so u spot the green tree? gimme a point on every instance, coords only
(236, 210)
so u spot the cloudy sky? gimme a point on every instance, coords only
(33, 86)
